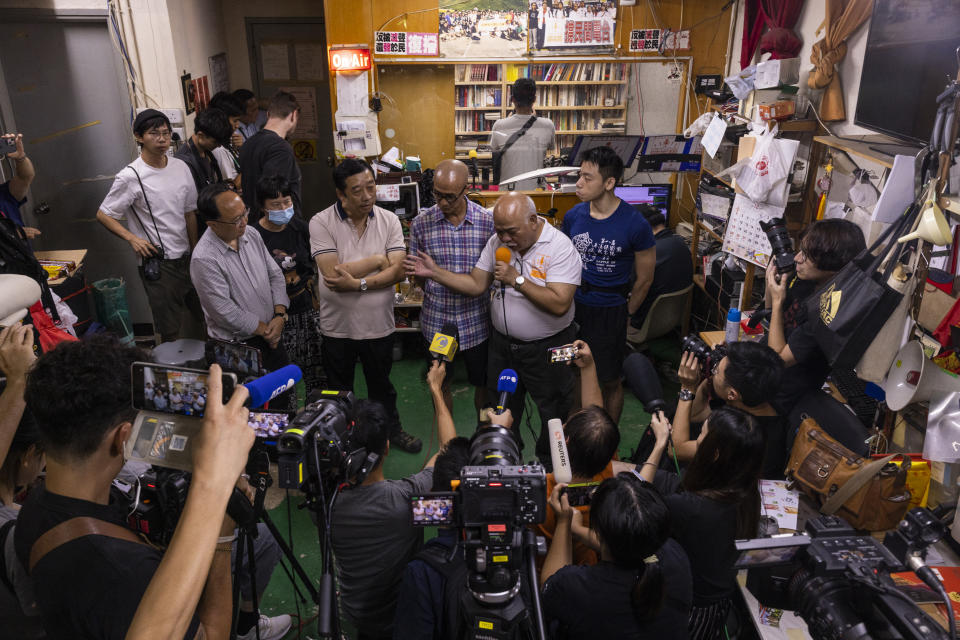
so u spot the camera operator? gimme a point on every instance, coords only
(825, 248)
(641, 589)
(747, 378)
(373, 536)
(93, 577)
(423, 608)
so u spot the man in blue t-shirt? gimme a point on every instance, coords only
(13, 192)
(615, 242)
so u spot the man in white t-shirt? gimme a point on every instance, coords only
(531, 311)
(523, 138)
(157, 196)
(359, 250)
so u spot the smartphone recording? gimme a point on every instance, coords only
(175, 390)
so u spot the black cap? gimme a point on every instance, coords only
(144, 116)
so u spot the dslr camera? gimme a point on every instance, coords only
(781, 246)
(708, 358)
(151, 265)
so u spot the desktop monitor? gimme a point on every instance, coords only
(657, 195)
(627, 147)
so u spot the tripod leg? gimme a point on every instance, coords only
(252, 568)
(237, 564)
(297, 567)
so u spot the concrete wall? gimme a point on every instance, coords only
(811, 18)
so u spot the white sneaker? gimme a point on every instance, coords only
(270, 628)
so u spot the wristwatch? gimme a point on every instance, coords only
(363, 284)
(686, 395)
(519, 282)
(281, 314)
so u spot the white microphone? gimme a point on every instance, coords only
(558, 452)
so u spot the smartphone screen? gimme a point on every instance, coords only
(434, 510)
(240, 359)
(176, 390)
(580, 495)
(269, 425)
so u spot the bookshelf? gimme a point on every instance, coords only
(581, 98)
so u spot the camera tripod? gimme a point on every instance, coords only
(247, 517)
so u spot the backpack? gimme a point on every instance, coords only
(454, 574)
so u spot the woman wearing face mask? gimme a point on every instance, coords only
(288, 240)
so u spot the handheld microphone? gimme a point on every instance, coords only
(266, 388)
(503, 254)
(558, 452)
(506, 385)
(444, 344)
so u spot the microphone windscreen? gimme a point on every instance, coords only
(472, 153)
(267, 387)
(507, 381)
(558, 452)
(450, 329)
(503, 254)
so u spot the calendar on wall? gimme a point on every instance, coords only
(744, 238)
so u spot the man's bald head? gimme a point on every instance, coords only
(449, 183)
(515, 220)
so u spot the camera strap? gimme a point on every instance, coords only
(75, 528)
(149, 208)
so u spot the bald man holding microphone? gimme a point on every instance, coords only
(538, 271)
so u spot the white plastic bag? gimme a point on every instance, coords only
(764, 177)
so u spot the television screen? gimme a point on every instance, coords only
(909, 59)
(657, 195)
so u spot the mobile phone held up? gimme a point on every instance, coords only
(176, 390)
(7, 145)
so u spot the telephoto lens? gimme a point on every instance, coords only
(781, 245)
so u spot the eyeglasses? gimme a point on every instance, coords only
(236, 221)
(448, 197)
(157, 133)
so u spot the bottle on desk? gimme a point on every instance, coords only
(732, 330)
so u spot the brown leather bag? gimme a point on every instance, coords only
(869, 494)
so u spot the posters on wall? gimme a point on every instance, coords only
(403, 43)
(219, 76)
(571, 24)
(307, 123)
(486, 29)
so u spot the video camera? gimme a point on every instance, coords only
(838, 580)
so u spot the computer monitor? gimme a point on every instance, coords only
(627, 147)
(657, 195)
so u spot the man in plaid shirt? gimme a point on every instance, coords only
(453, 232)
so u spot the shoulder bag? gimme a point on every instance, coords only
(498, 154)
(869, 494)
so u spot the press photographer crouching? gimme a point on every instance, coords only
(743, 375)
(93, 577)
(373, 537)
(826, 246)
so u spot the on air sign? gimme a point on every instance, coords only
(350, 59)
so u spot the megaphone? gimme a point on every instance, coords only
(932, 226)
(915, 378)
(17, 294)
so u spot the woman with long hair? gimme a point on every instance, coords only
(716, 502)
(641, 586)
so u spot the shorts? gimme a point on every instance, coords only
(475, 360)
(604, 329)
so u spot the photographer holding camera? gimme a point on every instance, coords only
(826, 246)
(93, 577)
(373, 537)
(747, 378)
(642, 587)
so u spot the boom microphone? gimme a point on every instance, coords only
(558, 452)
(503, 254)
(266, 388)
(444, 344)
(506, 385)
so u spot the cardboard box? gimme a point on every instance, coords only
(779, 110)
(774, 73)
(71, 255)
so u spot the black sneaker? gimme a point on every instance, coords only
(406, 442)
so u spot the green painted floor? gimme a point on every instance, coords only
(416, 413)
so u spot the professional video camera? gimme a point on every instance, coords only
(709, 358)
(493, 504)
(839, 581)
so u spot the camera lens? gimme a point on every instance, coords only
(494, 445)
(696, 346)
